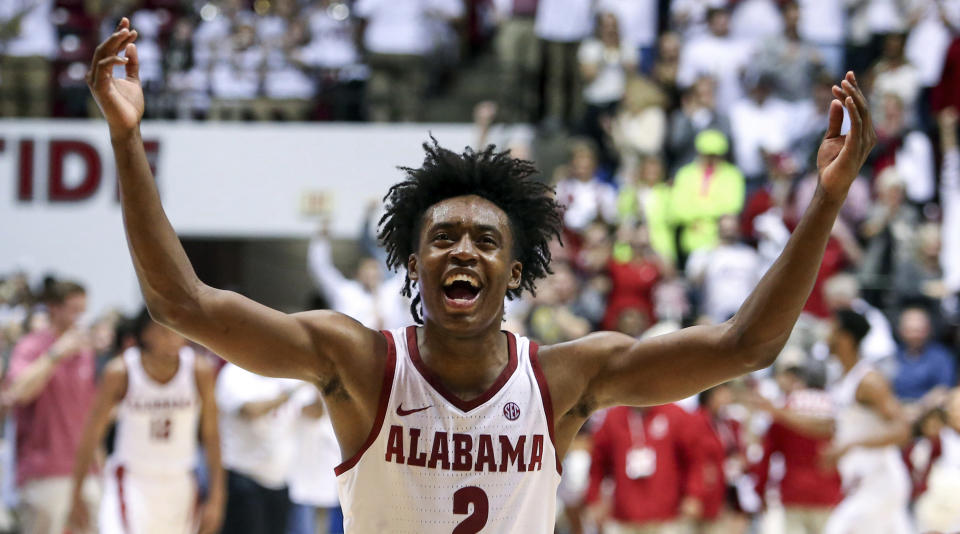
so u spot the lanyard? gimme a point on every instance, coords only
(632, 423)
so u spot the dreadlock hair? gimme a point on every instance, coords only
(535, 217)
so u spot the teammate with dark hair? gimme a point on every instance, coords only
(870, 428)
(456, 425)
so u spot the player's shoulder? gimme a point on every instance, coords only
(114, 376)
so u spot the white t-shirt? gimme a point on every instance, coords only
(758, 126)
(822, 21)
(261, 448)
(331, 44)
(403, 27)
(637, 19)
(384, 309)
(312, 480)
(565, 21)
(285, 80)
(586, 201)
(611, 78)
(720, 57)
(38, 36)
(753, 20)
(729, 272)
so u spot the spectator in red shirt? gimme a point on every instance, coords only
(634, 270)
(801, 430)
(717, 460)
(50, 385)
(646, 453)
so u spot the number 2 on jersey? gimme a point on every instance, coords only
(462, 500)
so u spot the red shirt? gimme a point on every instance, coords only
(632, 287)
(49, 428)
(665, 430)
(716, 440)
(805, 482)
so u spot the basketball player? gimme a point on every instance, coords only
(162, 393)
(870, 428)
(455, 425)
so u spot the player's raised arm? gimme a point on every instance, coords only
(614, 369)
(253, 336)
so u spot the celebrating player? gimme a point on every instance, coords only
(454, 425)
(162, 393)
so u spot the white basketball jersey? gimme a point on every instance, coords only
(856, 422)
(157, 423)
(436, 464)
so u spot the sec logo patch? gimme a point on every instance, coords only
(511, 411)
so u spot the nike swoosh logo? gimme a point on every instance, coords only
(401, 412)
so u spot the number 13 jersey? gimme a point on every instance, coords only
(436, 464)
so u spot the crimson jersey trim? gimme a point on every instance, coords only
(545, 398)
(385, 388)
(465, 406)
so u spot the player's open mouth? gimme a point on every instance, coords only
(461, 290)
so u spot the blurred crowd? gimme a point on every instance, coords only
(688, 134)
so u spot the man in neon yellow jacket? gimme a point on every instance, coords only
(704, 190)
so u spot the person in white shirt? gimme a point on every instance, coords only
(823, 23)
(257, 429)
(842, 292)
(638, 26)
(28, 43)
(758, 123)
(585, 198)
(163, 396)
(561, 25)
(755, 20)
(373, 297)
(938, 509)
(519, 54)
(313, 483)
(718, 55)
(726, 273)
(397, 37)
(871, 426)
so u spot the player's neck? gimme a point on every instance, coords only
(159, 368)
(467, 365)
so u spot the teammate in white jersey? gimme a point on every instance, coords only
(470, 229)
(162, 395)
(870, 428)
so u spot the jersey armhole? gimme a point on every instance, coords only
(385, 388)
(546, 400)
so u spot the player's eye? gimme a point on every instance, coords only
(441, 236)
(488, 240)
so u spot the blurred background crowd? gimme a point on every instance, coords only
(681, 136)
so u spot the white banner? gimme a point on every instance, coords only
(58, 192)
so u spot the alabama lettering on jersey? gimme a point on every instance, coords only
(157, 423)
(434, 463)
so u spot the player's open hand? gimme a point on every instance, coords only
(120, 100)
(841, 156)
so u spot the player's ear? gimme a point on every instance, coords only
(412, 268)
(516, 272)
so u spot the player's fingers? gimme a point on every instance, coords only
(133, 62)
(111, 45)
(839, 93)
(854, 140)
(835, 119)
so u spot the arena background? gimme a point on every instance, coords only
(273, 124)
